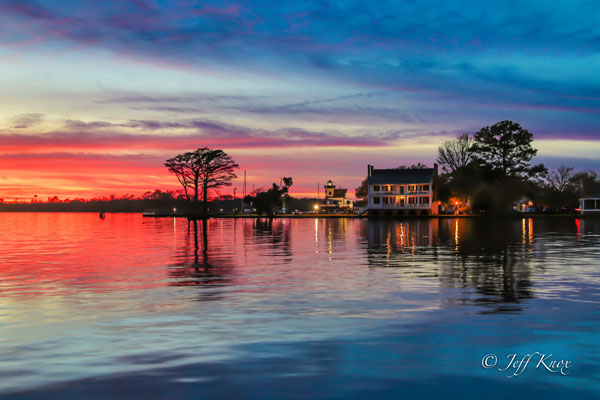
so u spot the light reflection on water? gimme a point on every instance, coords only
(354, 307)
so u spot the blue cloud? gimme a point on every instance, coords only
(461, 62)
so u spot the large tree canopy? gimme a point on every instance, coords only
(505, 148)
(202, 170)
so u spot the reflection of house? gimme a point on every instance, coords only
(336, 200)
(589, 205)
(402, 191)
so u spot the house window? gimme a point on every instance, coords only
(376, 188)
(589, 204)
(424, 199)
(412, 188)
(401, 189)
(412, 200)
(424, 188)
(392, 188)
(376, 200)
(400, 201)
(386, 188)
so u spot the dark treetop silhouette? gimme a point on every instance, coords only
(505, 148)
(268, 201)
(455, 154)
(202, 170)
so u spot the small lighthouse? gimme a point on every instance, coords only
(329, 189)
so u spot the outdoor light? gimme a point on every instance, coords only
(174, 210)
(316, 207)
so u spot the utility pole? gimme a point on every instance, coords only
(244, 191)
(234, 190)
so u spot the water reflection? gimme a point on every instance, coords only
(495, 258)
(194, 267)
(330, 300)
(490, 263)
(273, 237)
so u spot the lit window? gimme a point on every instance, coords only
(401, 187)
(412, 200)
(412, 188)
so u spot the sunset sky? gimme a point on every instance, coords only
(95, 95)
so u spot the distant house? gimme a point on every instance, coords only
(524, 206)
(589, 205)
(402, 191)
(336, 200)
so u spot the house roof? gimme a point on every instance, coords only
(339, 192)
(401, 176)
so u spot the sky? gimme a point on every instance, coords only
(96, 95)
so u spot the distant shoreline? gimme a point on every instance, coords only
(332, 216)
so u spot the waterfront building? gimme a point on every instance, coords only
(398, 192)
(589, 205)
(336, 200)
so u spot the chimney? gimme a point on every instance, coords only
(369, 170)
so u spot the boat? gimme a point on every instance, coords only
(149, 213)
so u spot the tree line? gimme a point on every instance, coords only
(492, 169)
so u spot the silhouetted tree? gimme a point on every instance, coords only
(413, 166)
(202, 170)
(560, 178)
(587, 183)
(455, 154)
(505, 148)
(267, 201)
(362, 191)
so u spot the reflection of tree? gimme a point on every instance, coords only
(276, 233)
(195, 269)
(492, 257)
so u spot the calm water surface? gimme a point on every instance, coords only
(132, 307)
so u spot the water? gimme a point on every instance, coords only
(131, 307)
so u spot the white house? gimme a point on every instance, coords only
(402, 191)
